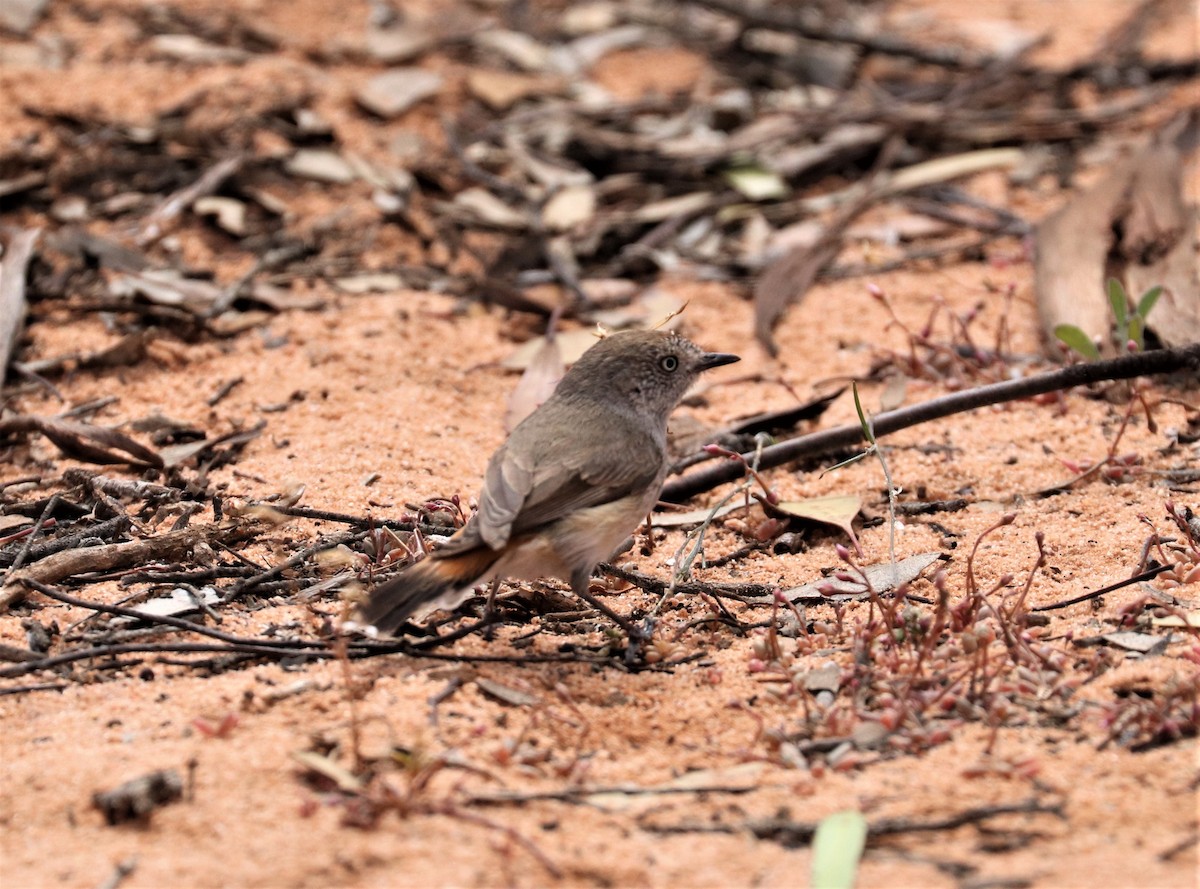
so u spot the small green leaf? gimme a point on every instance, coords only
(867, 453)
(1077, 340)
(837, 848)
(1146, 303)
(868, 433)
(1119, 301)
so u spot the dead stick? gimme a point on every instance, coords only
(105, 530)
(1159, 361)
(1111, 588)
(792, 832)
(178, 623)
(100, 558)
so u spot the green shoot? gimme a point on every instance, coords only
(1129, 328)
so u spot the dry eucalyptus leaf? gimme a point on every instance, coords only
(190, 48)
(167, 287)
(757, 183)
(14, 263)
(654, 307)
(176, 603)
(584, 52)
(394, 45)
(230, 214)
(883, 578)
(838, 511)
(320, 165)
(693, 517)
(392, 93)
(787, 279)
(380, 282)
(537, 383)
(500, 90)
(1142, 643)
(506, 694)
(586, 18)
(894, 392)
(342, 777)
(569, 207)
(681, 205)
(571, 346)
(232, 323)
(488, 208)
(518, 48)
(174, 455)
(282, 299)
(1191, 619)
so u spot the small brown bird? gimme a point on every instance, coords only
(573, 480)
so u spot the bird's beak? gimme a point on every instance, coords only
(709, 360)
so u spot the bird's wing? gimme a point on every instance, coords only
(534, 480)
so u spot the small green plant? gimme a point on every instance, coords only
(873, 450)
(837, 849)
(1129, 328)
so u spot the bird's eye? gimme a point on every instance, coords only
(669, 363)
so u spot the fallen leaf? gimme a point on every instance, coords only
(1143, 643)
(788, 278)
(190, 48)
(174, 455)
(882, 578)
(230, 214)
(178, 602)
(838, 511)
(394, 45)
(693, 516)
(342, 777)
(757, 183)
(571, 346)
(1191, 619)
(537, 383)
(648, 309)
(516, 47)
(569, 207)
(488, 208)
(392, 93)
(380, 282)
(167, 287)
(1135, 225)
(500, 90)
(320, 165)
(506, 694)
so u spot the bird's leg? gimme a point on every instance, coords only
(580, 582)
(490, 611)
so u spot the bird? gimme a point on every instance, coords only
(573, 480)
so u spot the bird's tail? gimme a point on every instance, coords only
(427, 583)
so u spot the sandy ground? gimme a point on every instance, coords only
(405, 389)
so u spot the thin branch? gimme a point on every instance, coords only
(1113, 587)
(1160, 361)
